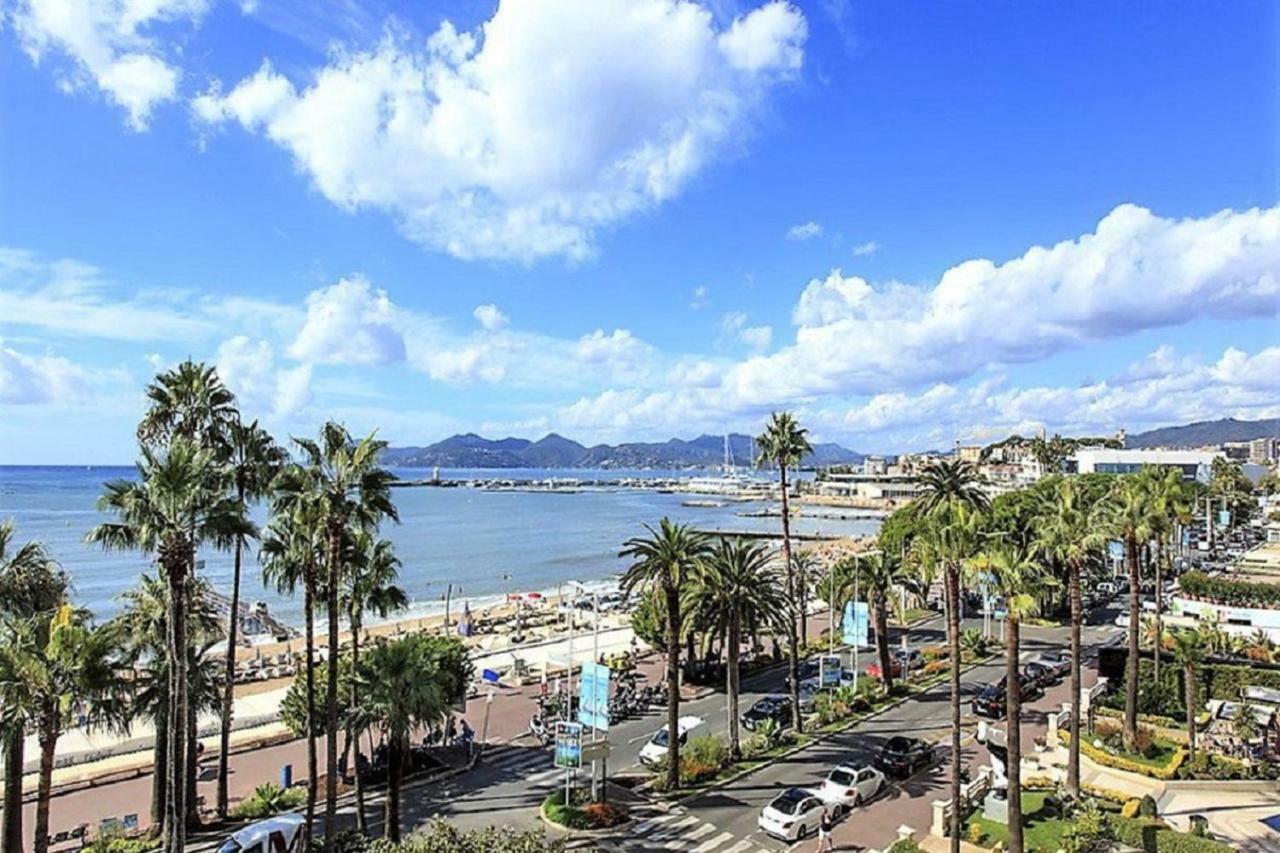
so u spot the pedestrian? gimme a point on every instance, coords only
(824, 832)
(451, 732)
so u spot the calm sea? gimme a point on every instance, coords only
(469, 537)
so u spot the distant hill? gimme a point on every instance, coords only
(1206, 433)
(556, 451)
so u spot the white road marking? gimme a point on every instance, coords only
(712, 844)
(674, 828)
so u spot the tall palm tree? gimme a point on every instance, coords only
(405, 684)
(664, 561)
(72, 666)
(878, 574)
(1126, 513)
(739, 584)
(1189, 652)
(1018, 578)
(254, 460)
(179, 500)
(32, 585)
(784, 443)
(292, 555)
(1061, 531)
(350, 490)
(369, 585)
(951, 499)
(1169, 504)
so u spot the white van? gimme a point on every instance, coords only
(279, 834)
(656, 749)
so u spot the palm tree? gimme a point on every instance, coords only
(664, 561)
(1126, 513)
(805, 566)
(32, 587)
(878, 574)
(72, 665)
(1060, 530)
(1168, 505)
(1189, 651)
(291, 556)
(369, 584)
(784, 443)
(1017, 577)
(255, 459)
(740, 586)
(406, 684)
(142, 627)
(951, 498)
(350, 490)
(179, 501)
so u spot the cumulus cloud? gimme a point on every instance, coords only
(525, 137)
(806, 231)
(734, 329)
(349, 323)
(109, 46)
(35, 379)
(249, 369)
(863, 250)
(490, 317)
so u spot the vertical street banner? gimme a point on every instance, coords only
(847, 635)
(593, 696)
(1224, 518)
(569, 745)
(861, 624)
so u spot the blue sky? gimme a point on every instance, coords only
(637, 219)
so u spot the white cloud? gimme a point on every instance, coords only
(863, 250)
(527, 136)
(248, 368)
(619, 346)
(701, 298)
(734, 329)
(491, 318)
(36, 379)
(108, 45)
(806, 231)
(349, 323)
(756, 337)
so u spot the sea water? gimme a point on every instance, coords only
(485, 543)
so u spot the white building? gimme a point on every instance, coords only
(1194, 464)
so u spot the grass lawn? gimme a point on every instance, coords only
(1040, 832)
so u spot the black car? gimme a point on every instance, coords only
(903, 756)
(991, 700)
(777, 708)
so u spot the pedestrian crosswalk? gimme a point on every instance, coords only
(516, 760)
(654, 830)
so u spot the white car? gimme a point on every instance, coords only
(793, 814)
(656, 748)
(847, 787)
(279, 834)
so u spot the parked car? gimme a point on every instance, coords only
(911, 657)
(903, 756)
(1057, 660)
(991, 700)
(792, 815)
(1040, 675)
(776, 708)
(895, 668)
(848, 786)
(279, 834)
(656, 748)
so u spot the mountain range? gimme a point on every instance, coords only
(1206, 433)
(556, 451)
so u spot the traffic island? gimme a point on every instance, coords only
(581, 814)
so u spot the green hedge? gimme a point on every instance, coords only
(1196, 584)
(1152, 836)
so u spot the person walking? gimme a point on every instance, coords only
(824, 832)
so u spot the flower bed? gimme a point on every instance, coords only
(581, 813)
(1198, 586)
(1162, 764)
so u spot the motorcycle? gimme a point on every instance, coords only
(539, 729)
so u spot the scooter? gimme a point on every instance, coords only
(538, 728)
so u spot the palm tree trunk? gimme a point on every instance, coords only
(48, 738)
(193, 770)
(1155, 651)
(228, 690)
(354, 619)
(1013, 707)
(160, 773)
(882, 644)
(309, 608)
(11, 833)
(793, 663)
(331, 694)
(735, 643)
(1131, 665)
(953, 638)
(802, 581)
(1073, 751)
(395, 768)
(1190, 675)
(175, 807)
(673, 686)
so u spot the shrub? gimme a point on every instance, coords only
(934, 667)
(755, 746)
(1107, 728)
(604, 815)
(1144, 742)
(976, 834)
(707, 749)
(1152, 836)
(1131, 807)
(120, 845)
(1090, 831)
(1118, 797)
(1147, 806)
(904, 845)
(935, 653)
(269, 799)
(439, 836)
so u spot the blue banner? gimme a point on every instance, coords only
(1116, 549)
(1224, 518)
(861, 623)
(593, 696)
(846, 625)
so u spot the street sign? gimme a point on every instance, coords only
(593, 703)
(595, 750)
(569, 745)
(830, 668)
(489, 676)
